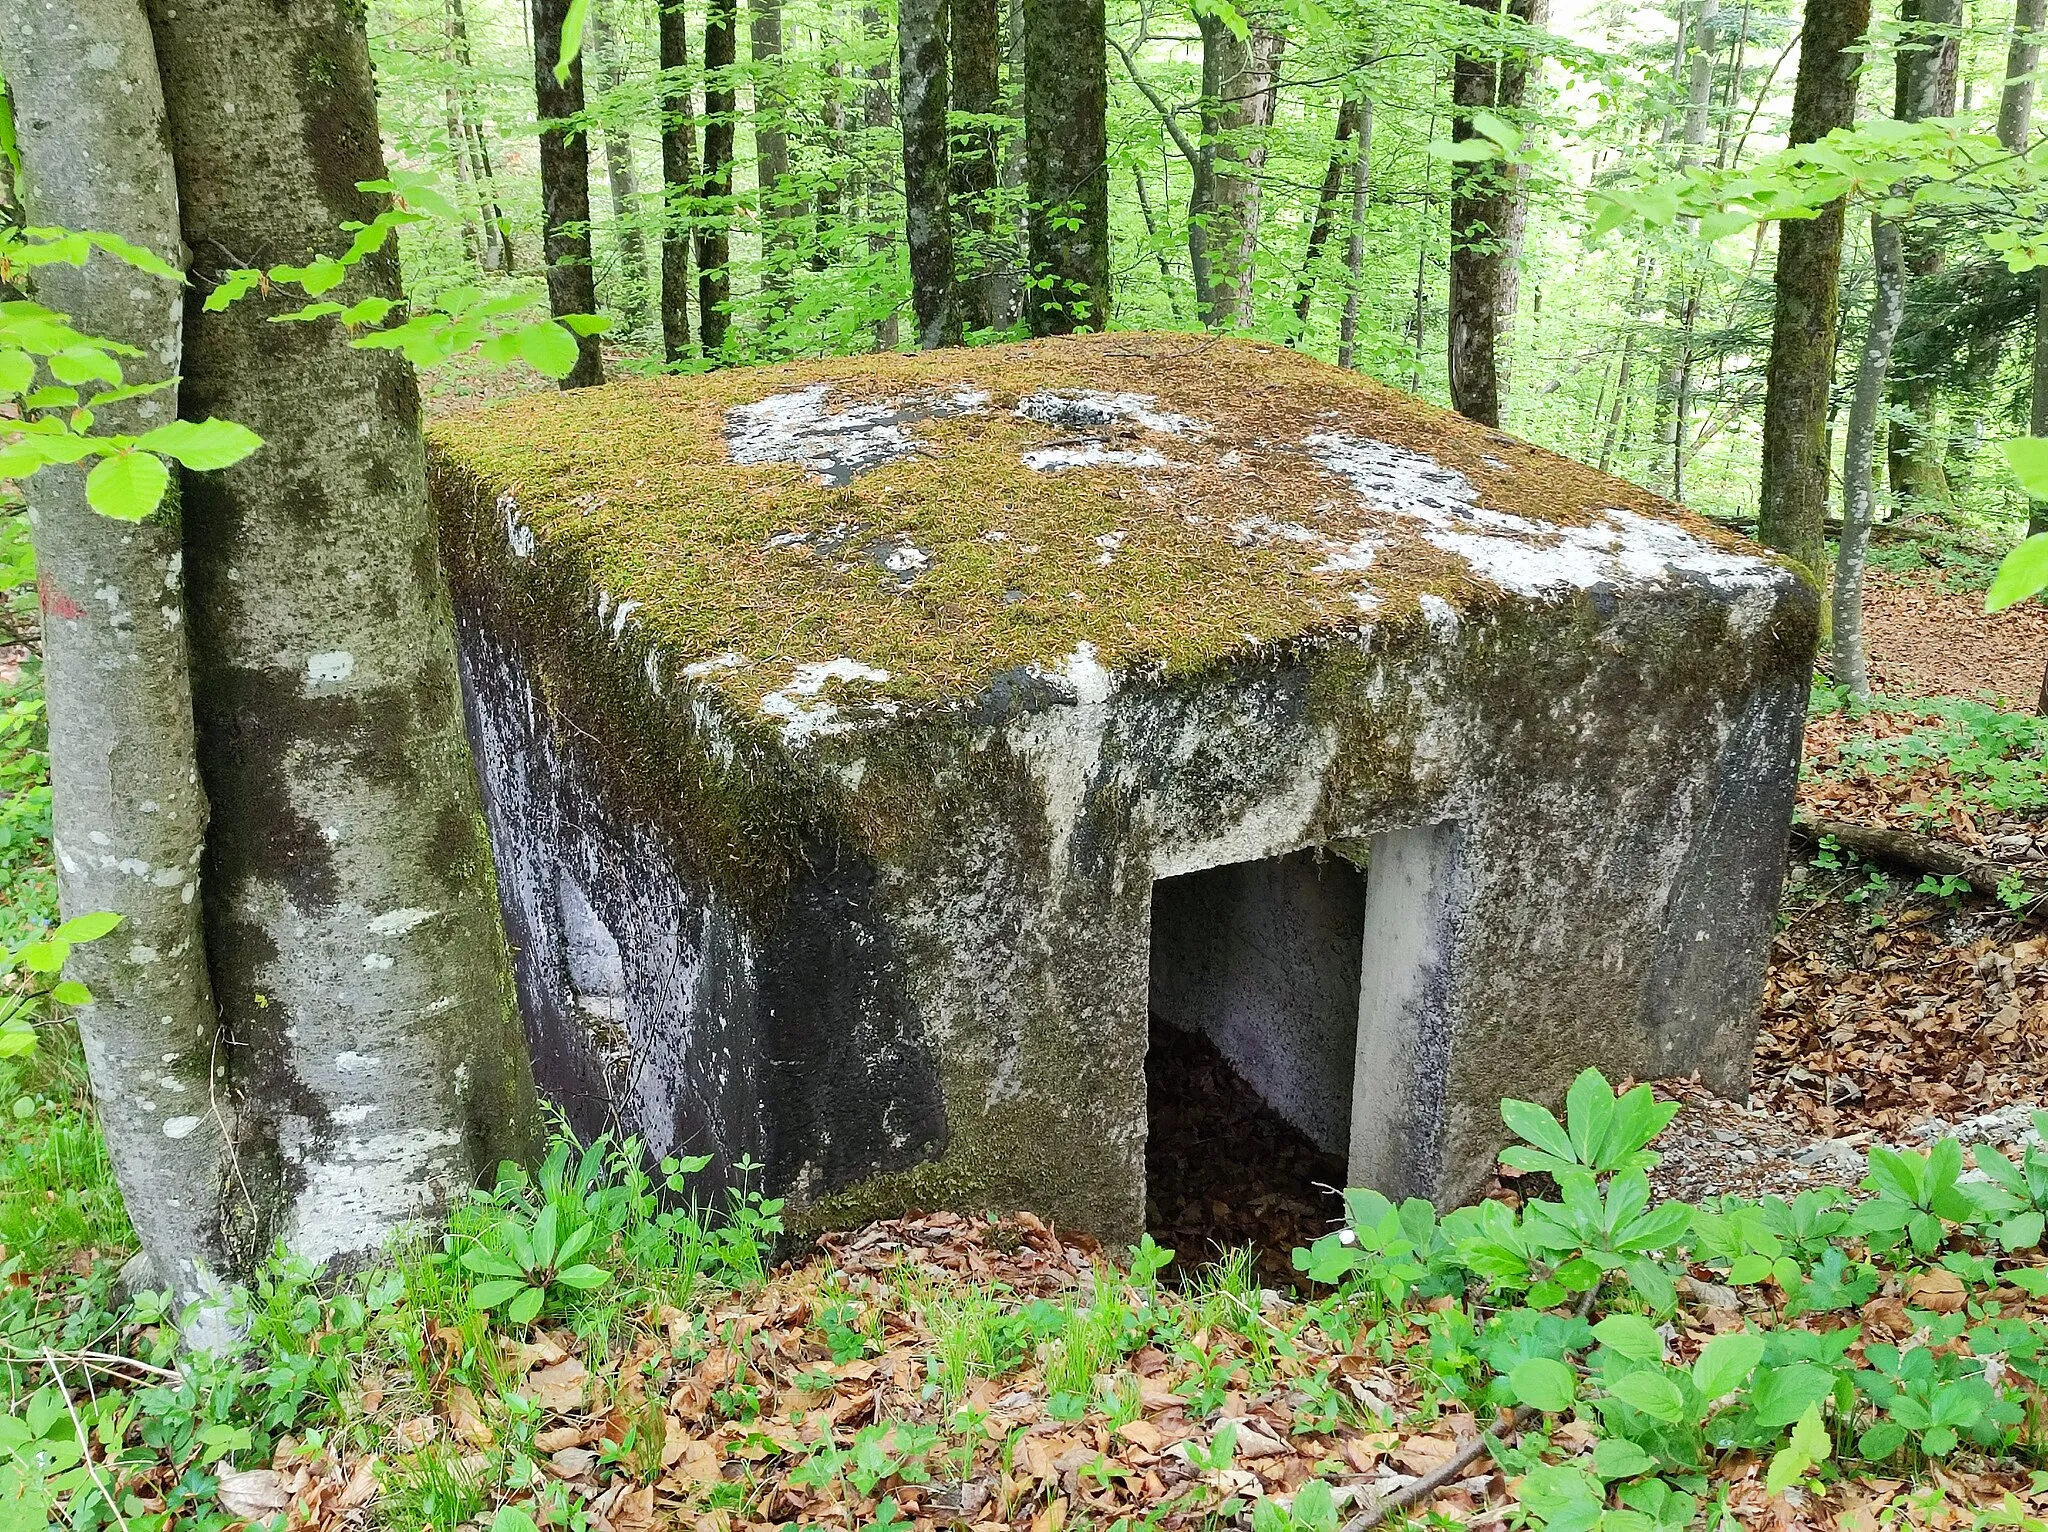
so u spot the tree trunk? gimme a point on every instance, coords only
(564, 187)
(975, 47)
(714, 187)
(1793, 502)
(1326, 212)
(771, 152)
(678, 178)
(458, 162)
(497, 236)
(1009, 279)
(878, 113)
(1151, 218)
(2037, 425)
(373, 1049)
(1354, 250)
(1066, 148)
(618, 167)
(1925, 71)
(1681, 308)
(1887, 308)
(1255, 132)
(1216, 212)
(1617, 410)
(2022, 58)
(130, 816)
(927, 181)
(1483, 220)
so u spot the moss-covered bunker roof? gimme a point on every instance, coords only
(915, 525)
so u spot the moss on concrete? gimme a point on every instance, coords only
(630, 490)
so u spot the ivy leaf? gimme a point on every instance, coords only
(202, 444)
(128, 485)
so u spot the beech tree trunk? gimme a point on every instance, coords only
(1859, 494)
(678, 178)
(2022, 58)
(374, 1058)
(1066, 150)
(878, 115)
(1925, 86)
(974, 46)
(714, 192)
(927, 180)
(1326, 210)
(130, 816)
(771, 150)
(620, 175)
(1793, 502)
(1354, 250)
(1483, 219)
(564, 187)
(497, 236)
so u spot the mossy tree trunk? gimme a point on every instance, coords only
(564, 187)
(374, 1057)
(130, 816)
(974, 48)
(620, 175)
(678, 177)
(1066, 151)
(927, 179)
(1793, 501)
(714, 187)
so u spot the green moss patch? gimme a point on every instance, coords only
(631, 489)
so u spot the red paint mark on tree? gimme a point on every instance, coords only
(50, 596)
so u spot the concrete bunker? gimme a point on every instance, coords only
(872, 748)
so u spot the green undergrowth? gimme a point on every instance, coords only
(1965, 750)
(1621, 1353)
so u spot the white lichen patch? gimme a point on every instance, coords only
(1090, 455)
(330, 668)
(697, 670)
(1519, 554)
(363, 1190)
(1086, 408)
(518, 535)
(833, 444)
(398, 922)
(805, 713)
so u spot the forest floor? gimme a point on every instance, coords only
(942, 1371)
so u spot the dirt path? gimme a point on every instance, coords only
(1927, 639)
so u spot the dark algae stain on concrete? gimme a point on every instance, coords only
(859, 706)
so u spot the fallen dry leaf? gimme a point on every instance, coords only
(255, 1493)
(1935, 1289)
(558, 1388)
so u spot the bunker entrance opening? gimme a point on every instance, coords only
(1255, 973)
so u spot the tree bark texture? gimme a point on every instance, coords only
(974, 48)
(1066, 149)
(564, 187)
(1793, 502)
(878, 115)
(1218, 210)
(714, 191)
(620, 175)
(373, 1048)
(927, 179)
(130, 815)
(1681, 306)
(1484, 220)
(1326, 211)
(1859, 491)
(678, 178)
(1354, 249)
(771, 150)
(2022, 58)
(497, 234)
(2037, 513)
(1924, 86)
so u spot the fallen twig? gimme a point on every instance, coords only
(84, 1440)
(1922, 853)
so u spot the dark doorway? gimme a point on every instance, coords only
(1254, 1034)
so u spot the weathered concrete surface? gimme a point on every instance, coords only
(837, 720)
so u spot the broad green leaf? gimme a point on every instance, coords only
(84, 364)
(202, 444)
(1616, 1457)
(572, 38)
(2022, 573)
(1725, 1361)
(2028, 457)
(548, 349)
(89, 927)
(1588, 1109)
(488, 1295)
(1783, 1394)
(583, 1278)
(17, 372)
(1544, 1383)
(44, 956)
(1631, 1335)
(1810, 1444)
(1528, 1121)
(1651, 1392)
(128, 485)
(71, 992)
(523, 1308)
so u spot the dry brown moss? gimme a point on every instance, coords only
(632, 486)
